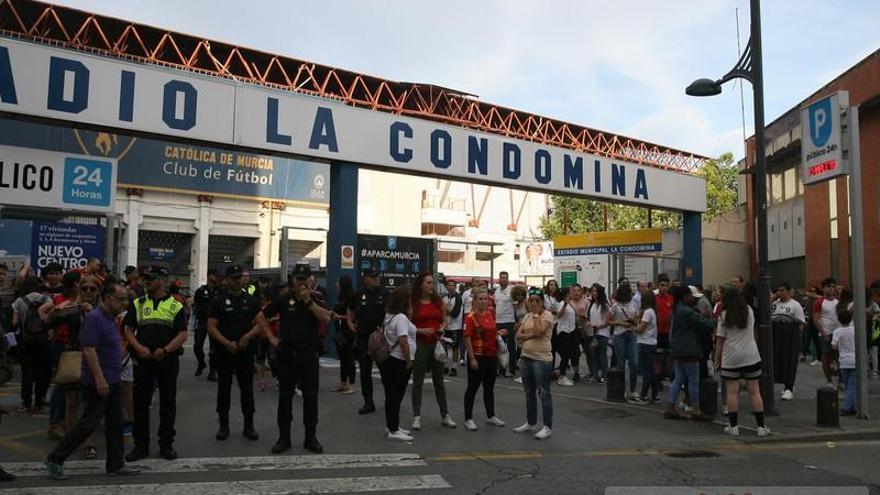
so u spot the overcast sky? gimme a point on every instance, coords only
(619, 66)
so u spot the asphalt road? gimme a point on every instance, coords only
(595, 445)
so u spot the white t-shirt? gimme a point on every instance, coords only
(566, 322)
(740, 348)
(844, 340)
(829, 316)
(790, 311)
(398, 325)
(504, 305)
(649, 337)
(552, 305)
(597, 319)
(467, 301)
(454, 322)
(624, 312)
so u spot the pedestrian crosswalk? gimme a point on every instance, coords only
(225, 477)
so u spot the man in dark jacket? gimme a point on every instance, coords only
(688, 328)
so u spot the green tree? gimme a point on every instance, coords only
(588, 215)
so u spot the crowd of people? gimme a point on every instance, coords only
(107, 344)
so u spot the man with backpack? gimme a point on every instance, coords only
(34, 351)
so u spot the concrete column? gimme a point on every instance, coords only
(133, 218)
(692, 247)
(343, 223)
(199, 259)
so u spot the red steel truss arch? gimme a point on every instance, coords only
(85, 31)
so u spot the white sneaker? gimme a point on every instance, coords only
(470, 425)
(763, 431)
(448, 422)
(732, 430)
(565, 382)
(544, 433)
(402, 430)
(525, 428)
(787, 395)
(417, 423)
(815, 363)
(400, 436)
(517, 379)
(495, 421)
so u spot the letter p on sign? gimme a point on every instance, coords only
(820, 122)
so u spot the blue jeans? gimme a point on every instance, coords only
(626, 348)
(646, 366)
(56, 400)
(536, 382)
(849, 381)
(600, 356)
(686, 372)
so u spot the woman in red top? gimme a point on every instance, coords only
(429, 319)
(480, 339)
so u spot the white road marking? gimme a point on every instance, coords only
(262, 487)
(225, 464)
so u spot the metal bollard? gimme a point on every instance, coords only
(709, 397)
(827, 413)
(615, 385)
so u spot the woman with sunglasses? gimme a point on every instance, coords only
(533, 336)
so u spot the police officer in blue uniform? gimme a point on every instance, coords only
(155, 329)
(366, 311)
(297, 346)
(231, 327)
(202, 300)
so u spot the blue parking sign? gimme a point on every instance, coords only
(87, 182)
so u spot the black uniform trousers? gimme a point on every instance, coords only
(297, 366)
(241, 366)
(201, 335)
(366, 364)
(97, 407)
(147, 374)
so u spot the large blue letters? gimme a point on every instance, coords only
(618, 180)
(641, 184)
(438, 136)
(272, 134)
(597, 169)
(394, 150)
(126, 96)
(58, 69)
(324, 131)
(573, 171)
(478, 155)
(512, 161)
(169, 105)
(7, 83)
(543, 169)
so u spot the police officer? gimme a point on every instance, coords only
(202, 301)
(296, 364)
(366, 310)
(155, 329)
(231, 327)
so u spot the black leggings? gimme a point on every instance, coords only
(485, 375)
(569, 348)
(347, 370)
(395, 377)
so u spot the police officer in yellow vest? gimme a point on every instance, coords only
(155, 328)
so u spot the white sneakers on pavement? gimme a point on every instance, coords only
(564, 381)
(543, 433)
(399, 436)
(495, 421)
(763, 431)
(518, 379)
(732, 430)
(525, 428)
(417, 423)
(787, 395)
(400, 429)
(470, 425)
(448, 422)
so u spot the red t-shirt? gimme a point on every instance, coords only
(428, 315)
(665, 304)
(482, 331)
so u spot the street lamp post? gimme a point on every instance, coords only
(750, 68)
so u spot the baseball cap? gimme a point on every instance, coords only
(155, 271)
(301, 270)
(234, 271)
(695, 292)
(369, 272)
(129, 270)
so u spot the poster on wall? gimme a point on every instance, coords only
(583, 270)
(69, 244)
(535, 258)
(397, 259)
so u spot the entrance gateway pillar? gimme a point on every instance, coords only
(692, 247)
(343, 226)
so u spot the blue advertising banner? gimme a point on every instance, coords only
(166, 166)
(397, 259)
(67, 243)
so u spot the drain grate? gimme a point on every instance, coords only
(605, 413)
(692, 454)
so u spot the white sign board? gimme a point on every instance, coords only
(821, 146)
(535, 259)
(46, 179)
(63, 84)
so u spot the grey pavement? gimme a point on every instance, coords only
(595, 444)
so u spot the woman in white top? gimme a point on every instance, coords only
(566, 337)
(647, 343)
(624, 318)
(599, 315)
(401, 336)
(737, 356)
(552, 303)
